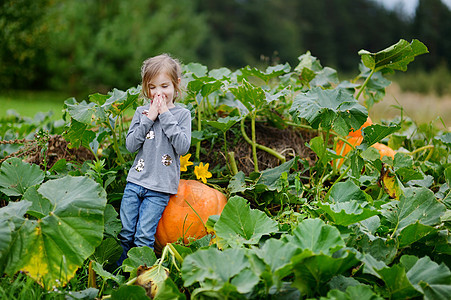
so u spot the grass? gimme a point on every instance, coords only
(28, 103)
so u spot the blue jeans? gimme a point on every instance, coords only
(141, 210)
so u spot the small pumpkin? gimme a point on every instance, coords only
(180, 219)
(384, 150)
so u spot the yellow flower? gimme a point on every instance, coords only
(184, 162)
(201, 172)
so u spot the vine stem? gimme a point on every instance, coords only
(365, 84)
(115, 144)
(261, 147)
(254, 143)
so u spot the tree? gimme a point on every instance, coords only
(101, 44)
(24, 39)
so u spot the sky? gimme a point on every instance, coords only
(409, 5)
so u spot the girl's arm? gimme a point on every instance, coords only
(139, 127)
(178, 132)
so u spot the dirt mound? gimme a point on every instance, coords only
(57, 148)
(289, 142)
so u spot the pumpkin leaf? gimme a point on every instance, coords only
(415, 205)
(358, 291)
(316, 236)
(239, 224)
(432, 279)
(395, 57)
(16, 176)
(280, 264)
(108, 252)
(130, 292)
(224, 124)
(335, 108)
(168, 290)
(347, 191)
(397, 282)
(269, 73)
(347, 213)
(214, 266)
(312, 272)
(78, 135)
(83, 112)
(138, 256)
(376, 132)
(252, 97)
(105, 274)
(52, 248)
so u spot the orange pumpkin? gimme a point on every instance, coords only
(359, 132)
(180, 220)
(384, 150)
(353, 140)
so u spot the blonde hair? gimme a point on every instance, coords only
(162, 63)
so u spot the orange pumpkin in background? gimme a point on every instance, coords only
(384, 150)
(359, 132)
(180, 220)
(355, 138)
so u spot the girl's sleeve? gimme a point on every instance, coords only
(136, 135)
(177, 131)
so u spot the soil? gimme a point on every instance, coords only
(58, 149)
(289, 142)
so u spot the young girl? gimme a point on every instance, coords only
(161, 133)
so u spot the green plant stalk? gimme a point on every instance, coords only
(232, 162)
(365, 83)
(261, 147)
(254, 143)
(115, 144)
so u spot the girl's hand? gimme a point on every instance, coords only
(153, 110)
(163, 107)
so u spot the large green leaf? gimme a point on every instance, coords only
(78, 135)
(239, 224)
(395, 57)
(397, 283)
(313, 272)
(316, 236)
(415, 205)
(224, 124)
(11, 219)
(52, 248)
(347, 213)
(347, 191)
(252, 97)
(361, 292)
(16, 176)
(269, 73)
(414, 232)
(376, 132)
(335, 108)
(271, 176)
(138, 256)
(278, 265)
(432, 279)
(213, 269)
(83, 112)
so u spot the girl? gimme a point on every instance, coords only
(161, 133)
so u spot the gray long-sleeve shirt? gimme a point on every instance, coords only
(160, 144)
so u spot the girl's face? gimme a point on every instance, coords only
(162, 85)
